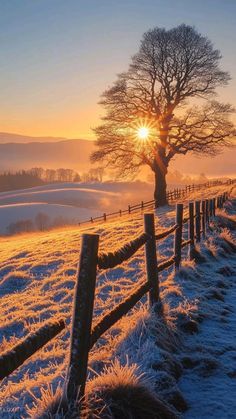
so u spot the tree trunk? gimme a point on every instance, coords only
(160, 186)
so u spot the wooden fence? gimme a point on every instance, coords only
(84, 334)
(172, 196)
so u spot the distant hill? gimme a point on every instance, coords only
(19, 152)
(6, 137)
(72, 154)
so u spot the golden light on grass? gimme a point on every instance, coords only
(143, 133)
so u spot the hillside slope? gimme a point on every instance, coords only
(73, 154)
(37, 277)
(68, 203)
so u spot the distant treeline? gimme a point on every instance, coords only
(41, 222)
(18, 180)
(38, 176)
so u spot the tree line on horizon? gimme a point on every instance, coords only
(38, 176)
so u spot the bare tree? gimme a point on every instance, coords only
(37, 172)
(50, 175)
(151, 110)
(42, 221)
(20, 226)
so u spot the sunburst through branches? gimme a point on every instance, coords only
(143, 131)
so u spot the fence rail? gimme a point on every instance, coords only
(110, 260)
(11, 360)
(84, 334)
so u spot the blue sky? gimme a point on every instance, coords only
(57, 56)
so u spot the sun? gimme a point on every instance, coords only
(143, 133)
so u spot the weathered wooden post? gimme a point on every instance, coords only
(210, 208)
(191, 229)
(142, 205)
(129, 209)
(214, 207)
(198, 221)
(120, 213)
(104, 216)
(207, 211)
(82, 317)
(178, 235)
(203, 209)
(151, 258)
(219, 197)
(91, 219)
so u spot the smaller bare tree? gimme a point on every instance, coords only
(42, 221)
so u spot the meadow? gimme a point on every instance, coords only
(181, 366)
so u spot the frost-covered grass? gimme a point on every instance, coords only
(37, 278)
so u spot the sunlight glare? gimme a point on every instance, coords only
(143, 133)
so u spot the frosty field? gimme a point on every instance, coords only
(185, 369)
(68, 203)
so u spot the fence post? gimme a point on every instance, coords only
(129, 209)
(214, 207)
(198, 221)
(142, 205)
(120, 212)
(203, 208)
(207, 211)
(211, 207)
(191, 229)
(151, 258)
(178, 234)
(104, 216)
(82, 317)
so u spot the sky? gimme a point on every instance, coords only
(58, 56)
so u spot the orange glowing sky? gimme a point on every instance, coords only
(58, 57)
